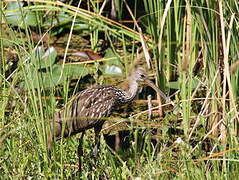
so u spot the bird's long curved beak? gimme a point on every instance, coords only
(152, 85)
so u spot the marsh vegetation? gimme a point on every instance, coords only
(50, 50)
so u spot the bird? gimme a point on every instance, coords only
(89, 108)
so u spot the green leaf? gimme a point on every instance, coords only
(60, 19)
(113, 66)
(112, 70)
(173, 85)
(16, 15)
(70, 71)
(52, 78)
(31, 18)
(114, 58)
(44, 58)
(176, 84)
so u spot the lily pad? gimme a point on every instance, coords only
(56, 76)
(113, 66)
(44, 58)
(17, 16)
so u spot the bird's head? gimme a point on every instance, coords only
(139, 76)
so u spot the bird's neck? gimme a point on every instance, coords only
(131, 89)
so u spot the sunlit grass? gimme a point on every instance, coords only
(193, 47)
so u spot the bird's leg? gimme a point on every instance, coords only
(95, 151)
(80, 150)
(97, 139)
(49, 145)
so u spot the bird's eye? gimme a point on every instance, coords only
(142, 75)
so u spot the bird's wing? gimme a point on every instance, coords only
(85, 110)
(94, 102)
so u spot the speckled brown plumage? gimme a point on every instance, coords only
(87, 108)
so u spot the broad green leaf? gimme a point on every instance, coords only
(112, 70)
(114, 58)
(176, 84)
(14, 17)
(52, 78)
(113, 66)
(17, 16)
(60, 18)
(31, 18)
(43, 58)
(70, 71)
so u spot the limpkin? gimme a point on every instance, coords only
(88, 108)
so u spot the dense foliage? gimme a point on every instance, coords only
(50, 50)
